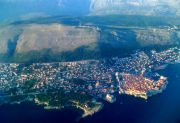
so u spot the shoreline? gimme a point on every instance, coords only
(93, 110)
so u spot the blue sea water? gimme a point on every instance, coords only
(161, 108)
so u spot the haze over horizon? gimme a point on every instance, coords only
(24, 9)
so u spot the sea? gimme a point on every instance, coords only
(161, 108)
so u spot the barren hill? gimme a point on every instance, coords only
(52, 41)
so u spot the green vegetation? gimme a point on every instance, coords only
(29, 83)
(48, 55)
(62, 98)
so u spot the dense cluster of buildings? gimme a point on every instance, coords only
(140, 86)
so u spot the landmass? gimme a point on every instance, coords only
(59, 39)
(83, 84)
(140, 86)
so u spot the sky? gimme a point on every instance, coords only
(21, 9)
(13, 9)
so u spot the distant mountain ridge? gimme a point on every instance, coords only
(135, 7)
(89, 7)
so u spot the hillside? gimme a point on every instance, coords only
(135, 7)
(56, 37)
(69, 39)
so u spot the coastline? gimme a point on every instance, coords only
(93, 110)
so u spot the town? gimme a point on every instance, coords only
(134, 75)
